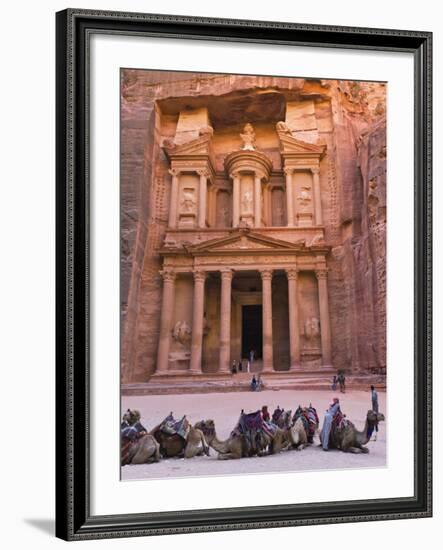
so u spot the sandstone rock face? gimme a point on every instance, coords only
(346, 117)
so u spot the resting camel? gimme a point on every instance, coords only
(137, 446)
(349, 439)
(171, 445)
(234, 447)
(238, 446)
(304, 427)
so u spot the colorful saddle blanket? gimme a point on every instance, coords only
(276, 415)
(171, 426)
(340, 422)
(129, 436)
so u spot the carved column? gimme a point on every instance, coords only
(257, 201)
(294, 326)
(324, 316)
(235, 200)
(317, 196)
(166, 317)
(203, 188)
(197, 322)
(225, 321)
(266, 276)
(289, 197)
(174, 198)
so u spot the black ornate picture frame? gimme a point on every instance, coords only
(74, 30)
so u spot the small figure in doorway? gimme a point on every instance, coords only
(240, 365)
(234, 367)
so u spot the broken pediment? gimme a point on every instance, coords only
(200, 146)
(290, 145)
(245, 241)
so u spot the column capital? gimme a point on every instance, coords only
(259, 175)
(288, 171)
(266, 274)
(199, 275)
(168, 275)
(226, 274)
(292, 274)
(321, 273)
(315, 170)
(174, 172)
(203, 172)
(234, 175)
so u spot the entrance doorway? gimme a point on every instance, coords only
(252, 333)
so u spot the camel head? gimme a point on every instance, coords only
(374, 417)
(207, 427)
(131, 417)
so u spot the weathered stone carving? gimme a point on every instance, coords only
(188, 203)
(304, 198)
(312, 328)
(248, 137)
(182, 333)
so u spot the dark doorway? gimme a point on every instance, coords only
(252, 334)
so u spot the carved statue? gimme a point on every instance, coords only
(247, 201)
(248, 138)
(312, 328)
(182, 333)
(283, 128)
(188, 202)
(304, 198)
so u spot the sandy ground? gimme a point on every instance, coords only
(224, 409)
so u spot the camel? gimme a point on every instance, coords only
(304, 427)
(234, 447)
(349, 439)
(238, 446)
(137, 446)
(171, 445)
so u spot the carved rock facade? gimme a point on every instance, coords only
(253, 218)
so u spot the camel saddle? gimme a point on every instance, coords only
(170, 426)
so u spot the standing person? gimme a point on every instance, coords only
(248, 366)
(240, 366)
(374, 400)
(251, 356)
(259, 383)
(334, 382)
(253, 383)
(341, 382)
(234, 367)
(327, 423)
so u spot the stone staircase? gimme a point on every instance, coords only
(275, 381)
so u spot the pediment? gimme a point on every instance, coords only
(245, 241)
(200, 146)
(291, 145)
